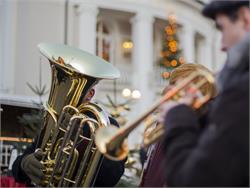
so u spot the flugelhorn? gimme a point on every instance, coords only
(111, 141)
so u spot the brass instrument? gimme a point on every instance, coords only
(111, 141)
(71, 158)
(152, 132)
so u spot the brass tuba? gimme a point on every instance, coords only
(111, 141)
(67, 137)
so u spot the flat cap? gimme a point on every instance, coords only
(222, 6)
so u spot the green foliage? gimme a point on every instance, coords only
(38, 91)
(32, 121)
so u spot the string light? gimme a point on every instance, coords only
(173, 49)
(172, 44)
(172, 18)
(168, 30)
(174, 63)
(165, 75)
(181, 60)
(170, 51)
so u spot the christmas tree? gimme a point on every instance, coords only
(32, 121)
(171, 52)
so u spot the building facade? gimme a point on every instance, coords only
(128, 33)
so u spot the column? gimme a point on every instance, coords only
(87, 27)
(219, 57)
(188, 43)
(8, 46)
(142, 62)
(208, 54)
(142, 56)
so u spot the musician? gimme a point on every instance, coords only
(27, 167)
(153, 173)
(220, 155)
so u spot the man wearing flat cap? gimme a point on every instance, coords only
(218, 155)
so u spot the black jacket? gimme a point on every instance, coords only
(109, 173)
(219, 155)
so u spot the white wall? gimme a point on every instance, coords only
(8, 41)
(43, 21)
(1, 45)
(35, 22)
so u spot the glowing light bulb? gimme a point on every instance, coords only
(136, 94)
(127, 45)
(126, 92)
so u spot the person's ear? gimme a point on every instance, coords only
(244, 13)
(91, 94)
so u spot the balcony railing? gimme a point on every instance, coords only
(10, 148)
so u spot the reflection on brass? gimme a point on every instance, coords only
(111, 141)
(67, 136)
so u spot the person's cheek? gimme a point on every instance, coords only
(224, 41)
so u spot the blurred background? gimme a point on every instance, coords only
(144, 39)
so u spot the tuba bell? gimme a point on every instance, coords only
(67, 136)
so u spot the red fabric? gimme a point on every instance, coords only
(8, 181)
(153, 175)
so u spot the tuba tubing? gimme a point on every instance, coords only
(62, 138)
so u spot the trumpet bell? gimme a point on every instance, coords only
(102, 139)
(109, 141)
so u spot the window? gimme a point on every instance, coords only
(103, 42)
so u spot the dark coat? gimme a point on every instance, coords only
(109, 173)
(153, 174)
(219, 155)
